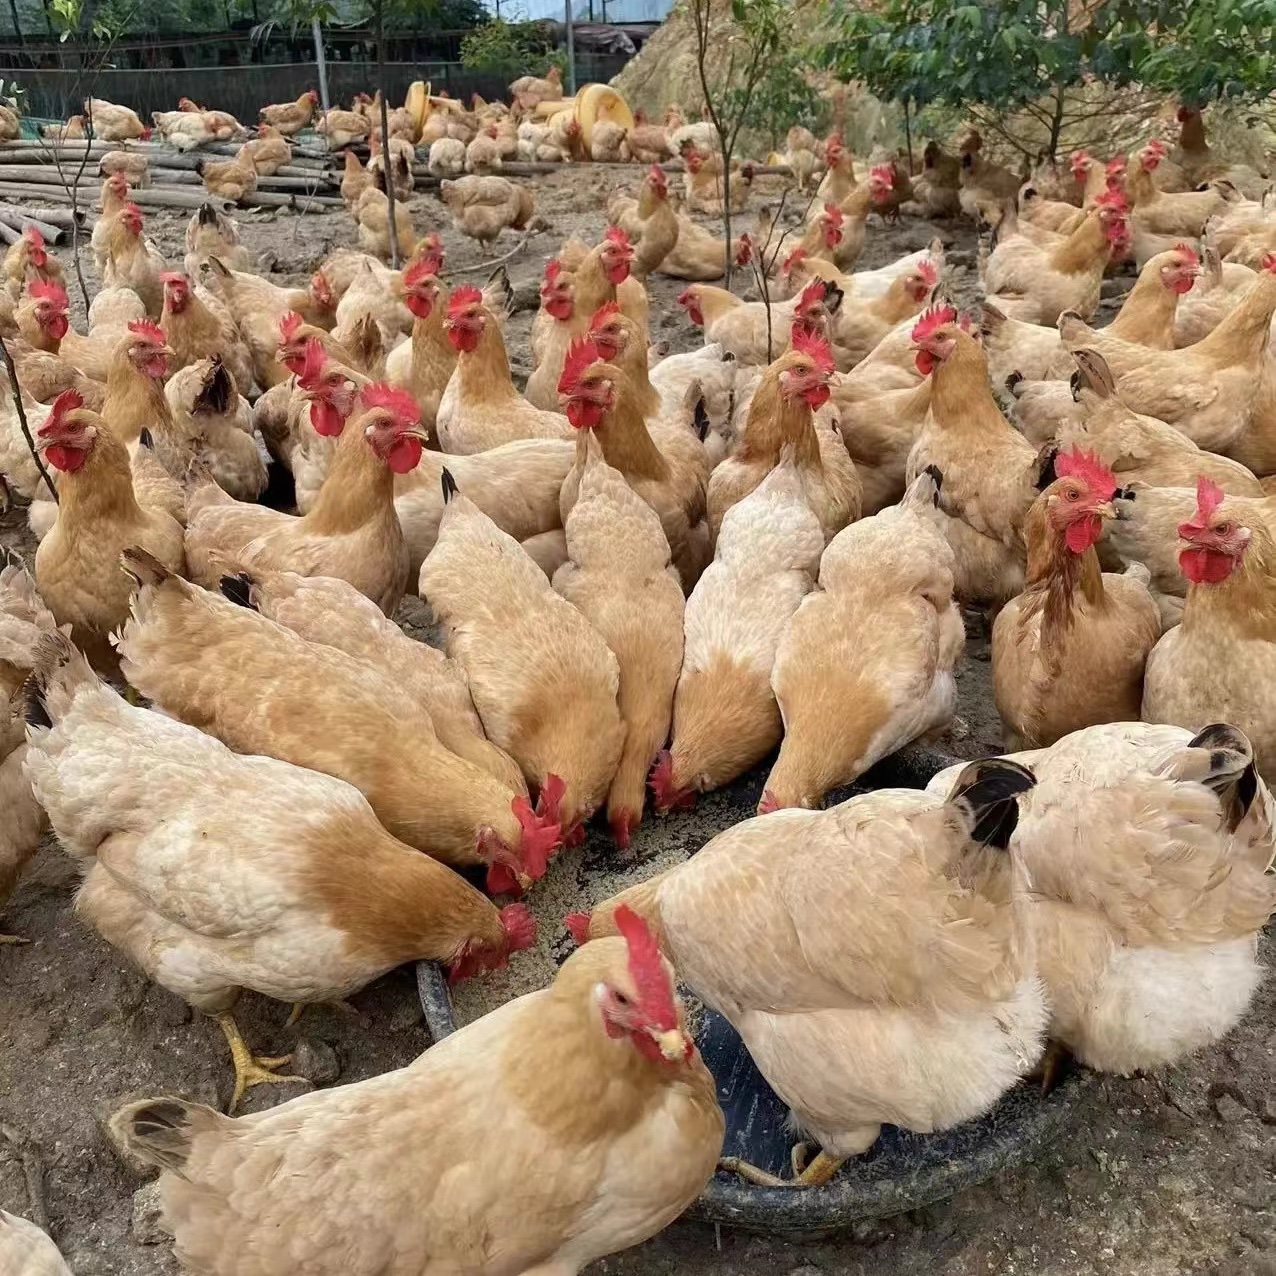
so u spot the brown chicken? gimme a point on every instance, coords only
(133, 261)
(1182, 214)
(700, 256)
(113, 123)
(343, 128)
(424, 363)
(990, 470)
(195, 332)
(985, 188)
(866, 664)
(99, 515)
(1026, 281)
(351, 531)
(594, 1081)
(1069, 652)
(269, 150)
(166, 860)
(257, 307)
(212, 421)
(24, 619)
(481, 408)
(650, 222)
(601, 400)
(1206, 391)
(354, 181)
(1219, 664)
(874, 957)
(619, 576)
(466, 817)
(372, 217)
(743, 327)
(28, 261)
(543, 680)
(232, 179)
(482, 207)
(212, 233)
(782, 415)
(291, 117)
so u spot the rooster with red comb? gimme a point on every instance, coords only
(27, 260)
(586, 1102)
(1219, 664)
(1069, 652)
(650, 222)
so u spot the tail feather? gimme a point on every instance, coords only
(143, 567)
(239, 589)
(161, 1131)
(56, 666)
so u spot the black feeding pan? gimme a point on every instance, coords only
(902, 1170)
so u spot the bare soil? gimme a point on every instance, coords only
(1158, 1175)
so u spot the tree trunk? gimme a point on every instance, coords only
(386, 173)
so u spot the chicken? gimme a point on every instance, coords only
(10, 123)
(291, 117)
(990, 470)
(874, 957)
(269, 150)
(132, 261)
(23, 620)
(260, 688)
(648, 143)
(700, 256)
(985, 188)
(185, 130)
(750, 330)
(212, 233)
(447, 157)
(113, 123)
(481, 408)
(839, 172)
(1220, 662)
(99, 515)
(609, 143)
(858, 328)
(195, 332)
(782, 414)
(670, 476)
(725, 718)
(714, 370)
(482, 207)
(28, 261)
(351, 531)
(132, 166)
(583, 1081)
(543, 680)
(72, 130)
(937, 188)
(402, 155)
(213, 422)
(257, 307)
(1069, 651)
(1157, 213)
(27, 1250)
(232, 179)
(529, 91)
(1206, 391)
(372, 217)
(1144, 850)
(650, 223)
(704, 187)
(1035, 284)
(166, 857)
(342, 128)
(1141, 448)
(483, 154)
(619, 576)
(866, 664)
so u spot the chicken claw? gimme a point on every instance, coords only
(249, 1070)
(819, 1172)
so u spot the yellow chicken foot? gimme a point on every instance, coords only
(249, 1070)
(299, 1008)
(819, 1172)
(1053, 1067)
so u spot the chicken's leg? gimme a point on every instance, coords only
(249, 1070)
(816, 1174)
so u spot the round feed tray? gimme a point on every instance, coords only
(902, 1171)
(598, 102)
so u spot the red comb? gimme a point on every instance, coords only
(883, 173)
(541, 836)
(935, 317)
(581, 354)
(1077, 156)
(1185, 249)
(603, 314)
(132, 210)
(833, 214)
(796, 256)
(616, 235)
(553, 268)
(464, 296)
(34, 237)
(647, 970)
(666, 797)
(172, 277)
(657, 174)
(67, 401)
(47, 290)
(145, 328)
(315, 357)
(815, 347)
(398, 403)
(811, 295)
(578, 926)
(1269, 263)
(419, 271)
(928, 271)
(1088, 469)
(289, 325)
(1209, 496)
(520, 926)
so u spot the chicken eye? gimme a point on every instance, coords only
(1224, 529)
(621, 999)
(1073, 494)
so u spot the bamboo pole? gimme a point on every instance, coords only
(60, 217)
(299, 202)
(8, 234)
(18, 222)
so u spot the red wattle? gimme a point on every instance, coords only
(404, 455)
(1083, 533)
(325, 419)
(1205, 566)
(64, 458)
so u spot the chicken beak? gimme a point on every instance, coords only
(673, 1044)
(415, 432)
(1106, 511)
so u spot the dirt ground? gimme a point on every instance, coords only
(1159, 1175)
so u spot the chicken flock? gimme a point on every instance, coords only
(652, 574)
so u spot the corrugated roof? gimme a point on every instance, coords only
(582, 10)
